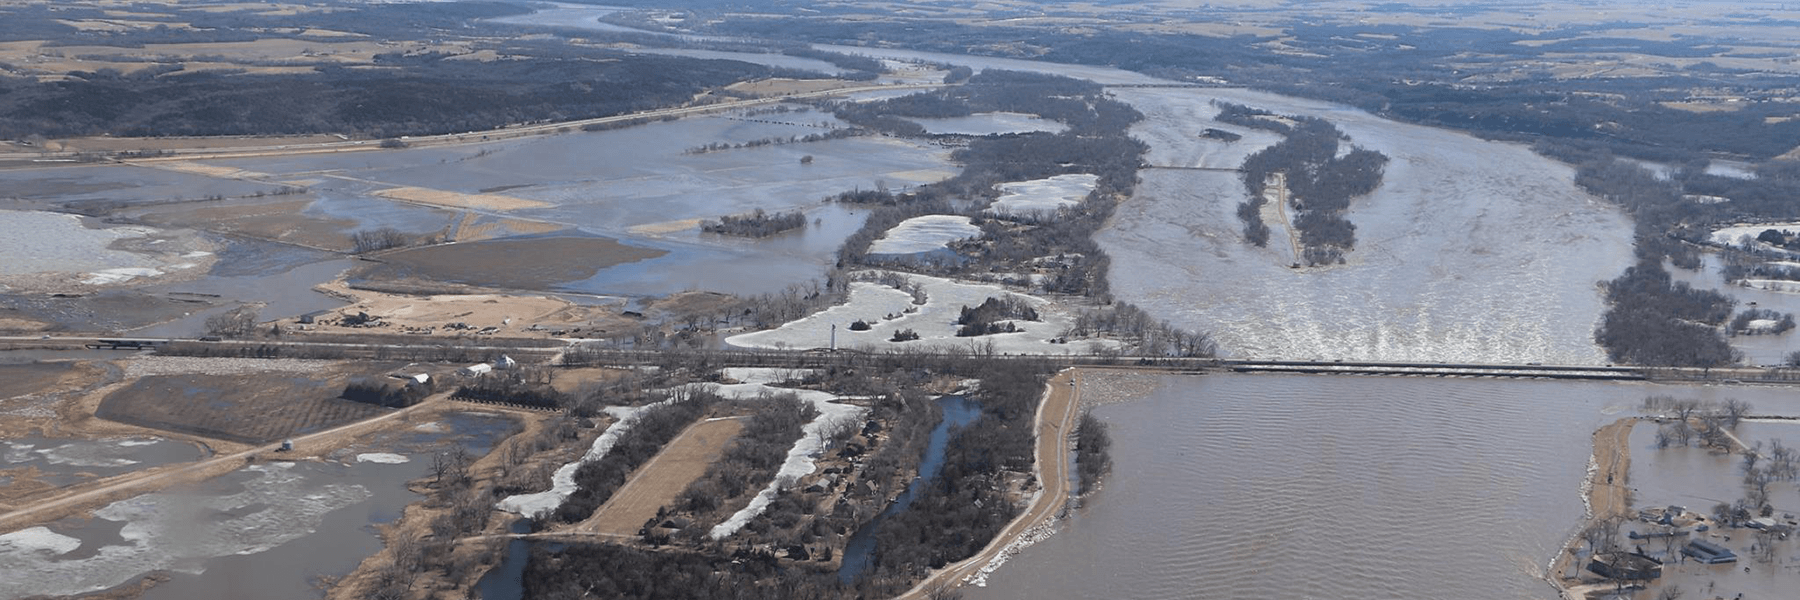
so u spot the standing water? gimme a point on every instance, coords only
(860, 551)
(1238, 486)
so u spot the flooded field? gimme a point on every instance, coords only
(1757, 349)
(264, 531)
(39, 462)
(1399, 488)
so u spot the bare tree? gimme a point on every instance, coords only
(236, 322)
(1669, 592)
(1735, 410)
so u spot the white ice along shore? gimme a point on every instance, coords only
(800, 458)
(935, 322)
(1041, 196)
(919, 235)
(1736, 234)
(562, 482)
(179, 532)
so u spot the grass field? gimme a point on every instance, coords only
(656, 484)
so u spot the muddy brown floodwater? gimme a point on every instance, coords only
(1239, 486)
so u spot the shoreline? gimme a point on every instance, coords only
(1606, 493)
(1055, 416)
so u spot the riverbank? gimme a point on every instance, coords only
(1608, 495)
(1056, 416)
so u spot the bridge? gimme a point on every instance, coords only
(573, 351)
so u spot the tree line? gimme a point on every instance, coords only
(1320, 183)
(757, 224)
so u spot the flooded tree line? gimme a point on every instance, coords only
(1320, 183)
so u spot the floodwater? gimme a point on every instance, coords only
(1757, 349)
(61, 462)
(263, 531)
(1698, 479)
(639, 185)
(1277, 486)
(859, 552)
(1469, 251)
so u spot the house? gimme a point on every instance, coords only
(313, 317)
(1708, 552)
(476, 370)
(505, 362)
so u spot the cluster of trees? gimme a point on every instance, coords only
(1320, 183)
(1653, 320)
(994, 315)
(1742, 323)
(597, 480)
(750, 462)
(835, 134)
(237, 322)
(1147, 335)
(1692, 418)
(859, 68)
(1093, 447)
(381, 238)
(757, 224)
(381, 393)
(510, 390)
(575, 571)
(955, 514)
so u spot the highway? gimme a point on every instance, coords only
(556, 349)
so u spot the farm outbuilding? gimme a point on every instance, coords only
(476, 370)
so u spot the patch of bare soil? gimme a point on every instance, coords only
(499, 315)
(658, 482)
(523, 264)
(250, 408)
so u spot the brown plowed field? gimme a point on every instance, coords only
(242, 408)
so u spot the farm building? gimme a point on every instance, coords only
(1626, 565)
(476, 370)
(1708, 552)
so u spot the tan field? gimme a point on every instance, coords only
(510, 315)
(658, 482)
(446, 199)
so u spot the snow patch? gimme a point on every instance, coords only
(119, 275)
(1735, 234)
(562, 482)
(935, 322)
(800, 459)
(1043, 195)
(386, 458)
(37, 540)
(765, 375)
(924, 234)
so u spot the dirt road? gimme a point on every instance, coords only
(1609, 492)
(142, 482)
(1055, 418)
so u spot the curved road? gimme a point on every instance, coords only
(1055, 421)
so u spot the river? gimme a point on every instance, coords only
(1229, 486)
(1279, 486)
